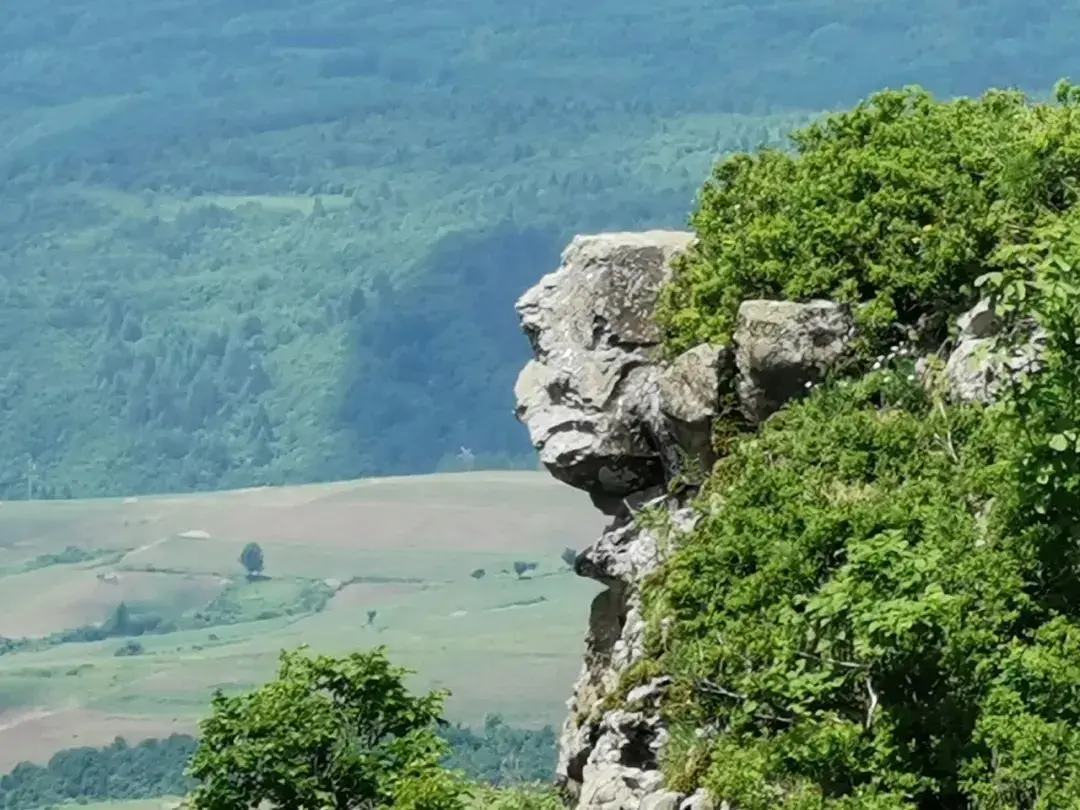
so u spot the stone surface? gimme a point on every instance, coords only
(976, 369)
(690, 394)
(971, 373)
(614, 787)
(781, 346)
(595, 348)
(648, 692)
(690, 387)
(978, 322)
(701, 801)
(661, 800)
(608, 417)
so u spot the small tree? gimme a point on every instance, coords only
(252, 559)
(478, 573)
(333, 733)
(119, 623)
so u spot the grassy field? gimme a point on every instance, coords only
(405, 548)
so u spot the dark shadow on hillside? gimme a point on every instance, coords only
(432, 363)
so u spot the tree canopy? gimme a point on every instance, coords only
(326, 733)
(251, 557)
(283, 245)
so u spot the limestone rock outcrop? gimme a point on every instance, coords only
(975, 370)
(595, 348)
(609, 415)
(782, 346)
(691, 395)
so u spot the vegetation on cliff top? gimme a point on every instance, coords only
(880, 608)
(895, 207)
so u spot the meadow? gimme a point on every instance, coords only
(393, 561)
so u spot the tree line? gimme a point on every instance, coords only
(496, 754)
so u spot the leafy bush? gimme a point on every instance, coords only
(117, 771)
(129, 647)
(522, 567)
(70, 555)
(527, 797)
(498, 754)
(252, 559)
(880, 608)
(326, 732)
(894, 207)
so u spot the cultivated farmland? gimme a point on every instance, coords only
(347, 565)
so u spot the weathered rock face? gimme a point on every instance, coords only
(595, 348)
(975, 371)
(782, 346)
(690, 396)
(610, 417)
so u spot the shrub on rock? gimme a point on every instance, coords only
(894, 207)
(879, 608)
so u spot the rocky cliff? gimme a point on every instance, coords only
(610, 416)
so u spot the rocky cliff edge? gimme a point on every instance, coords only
(609, 416)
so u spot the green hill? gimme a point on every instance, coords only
(256, 243)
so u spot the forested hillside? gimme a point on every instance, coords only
(272, 242)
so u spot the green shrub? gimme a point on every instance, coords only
(880, 607)
(893, 207)
(874, 616)
(522, 797)
(326, 732)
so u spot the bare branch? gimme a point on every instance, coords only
(711, 688)
(873, 703)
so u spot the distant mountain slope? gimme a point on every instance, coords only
(274, 242)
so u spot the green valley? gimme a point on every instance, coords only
(269, 243)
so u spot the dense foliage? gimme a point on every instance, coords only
(326, 732)
(499, 754)
(880, 608)
(117, 771)
(256, 243)
(895, 207)
(251, 557)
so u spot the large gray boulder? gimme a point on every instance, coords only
(690, 396)
(979, 370)
(594, 369)
(782, 346)
(661, 800)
